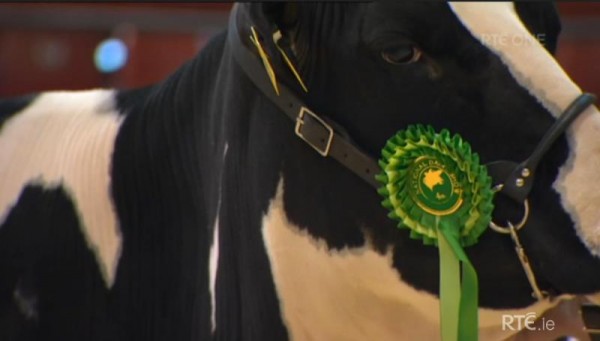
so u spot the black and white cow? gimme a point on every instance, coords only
(189, 210)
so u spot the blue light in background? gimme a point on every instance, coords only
(111, 55)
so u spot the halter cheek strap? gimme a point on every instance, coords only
(309, 126)
(516, 180)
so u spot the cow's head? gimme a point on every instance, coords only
(483, 70)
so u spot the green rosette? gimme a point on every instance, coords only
(434, 185)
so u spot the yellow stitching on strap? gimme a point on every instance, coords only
(265, 59)
(276, 37)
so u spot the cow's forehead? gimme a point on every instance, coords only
(421, 21)
(497, 26)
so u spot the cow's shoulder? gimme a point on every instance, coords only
(67, 103)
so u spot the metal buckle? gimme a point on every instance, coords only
(300, 123)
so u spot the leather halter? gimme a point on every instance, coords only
(310, 127)
(513, 179)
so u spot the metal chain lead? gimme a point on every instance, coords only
(537, 293)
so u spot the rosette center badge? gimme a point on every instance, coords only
(433, 187)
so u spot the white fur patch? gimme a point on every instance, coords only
(213, 262)
(497, 26)
(353, 294)
(67, 139)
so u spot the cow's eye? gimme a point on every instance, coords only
(401, 54)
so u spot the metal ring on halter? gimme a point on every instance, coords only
(519, 225)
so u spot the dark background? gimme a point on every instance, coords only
(47, 46)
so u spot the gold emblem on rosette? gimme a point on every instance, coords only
(433, 187)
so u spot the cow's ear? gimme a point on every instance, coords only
(284, 15)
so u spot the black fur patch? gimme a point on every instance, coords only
(11, 106)
(46, 263)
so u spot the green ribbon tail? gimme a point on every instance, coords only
(449, 288)
(467, 287)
